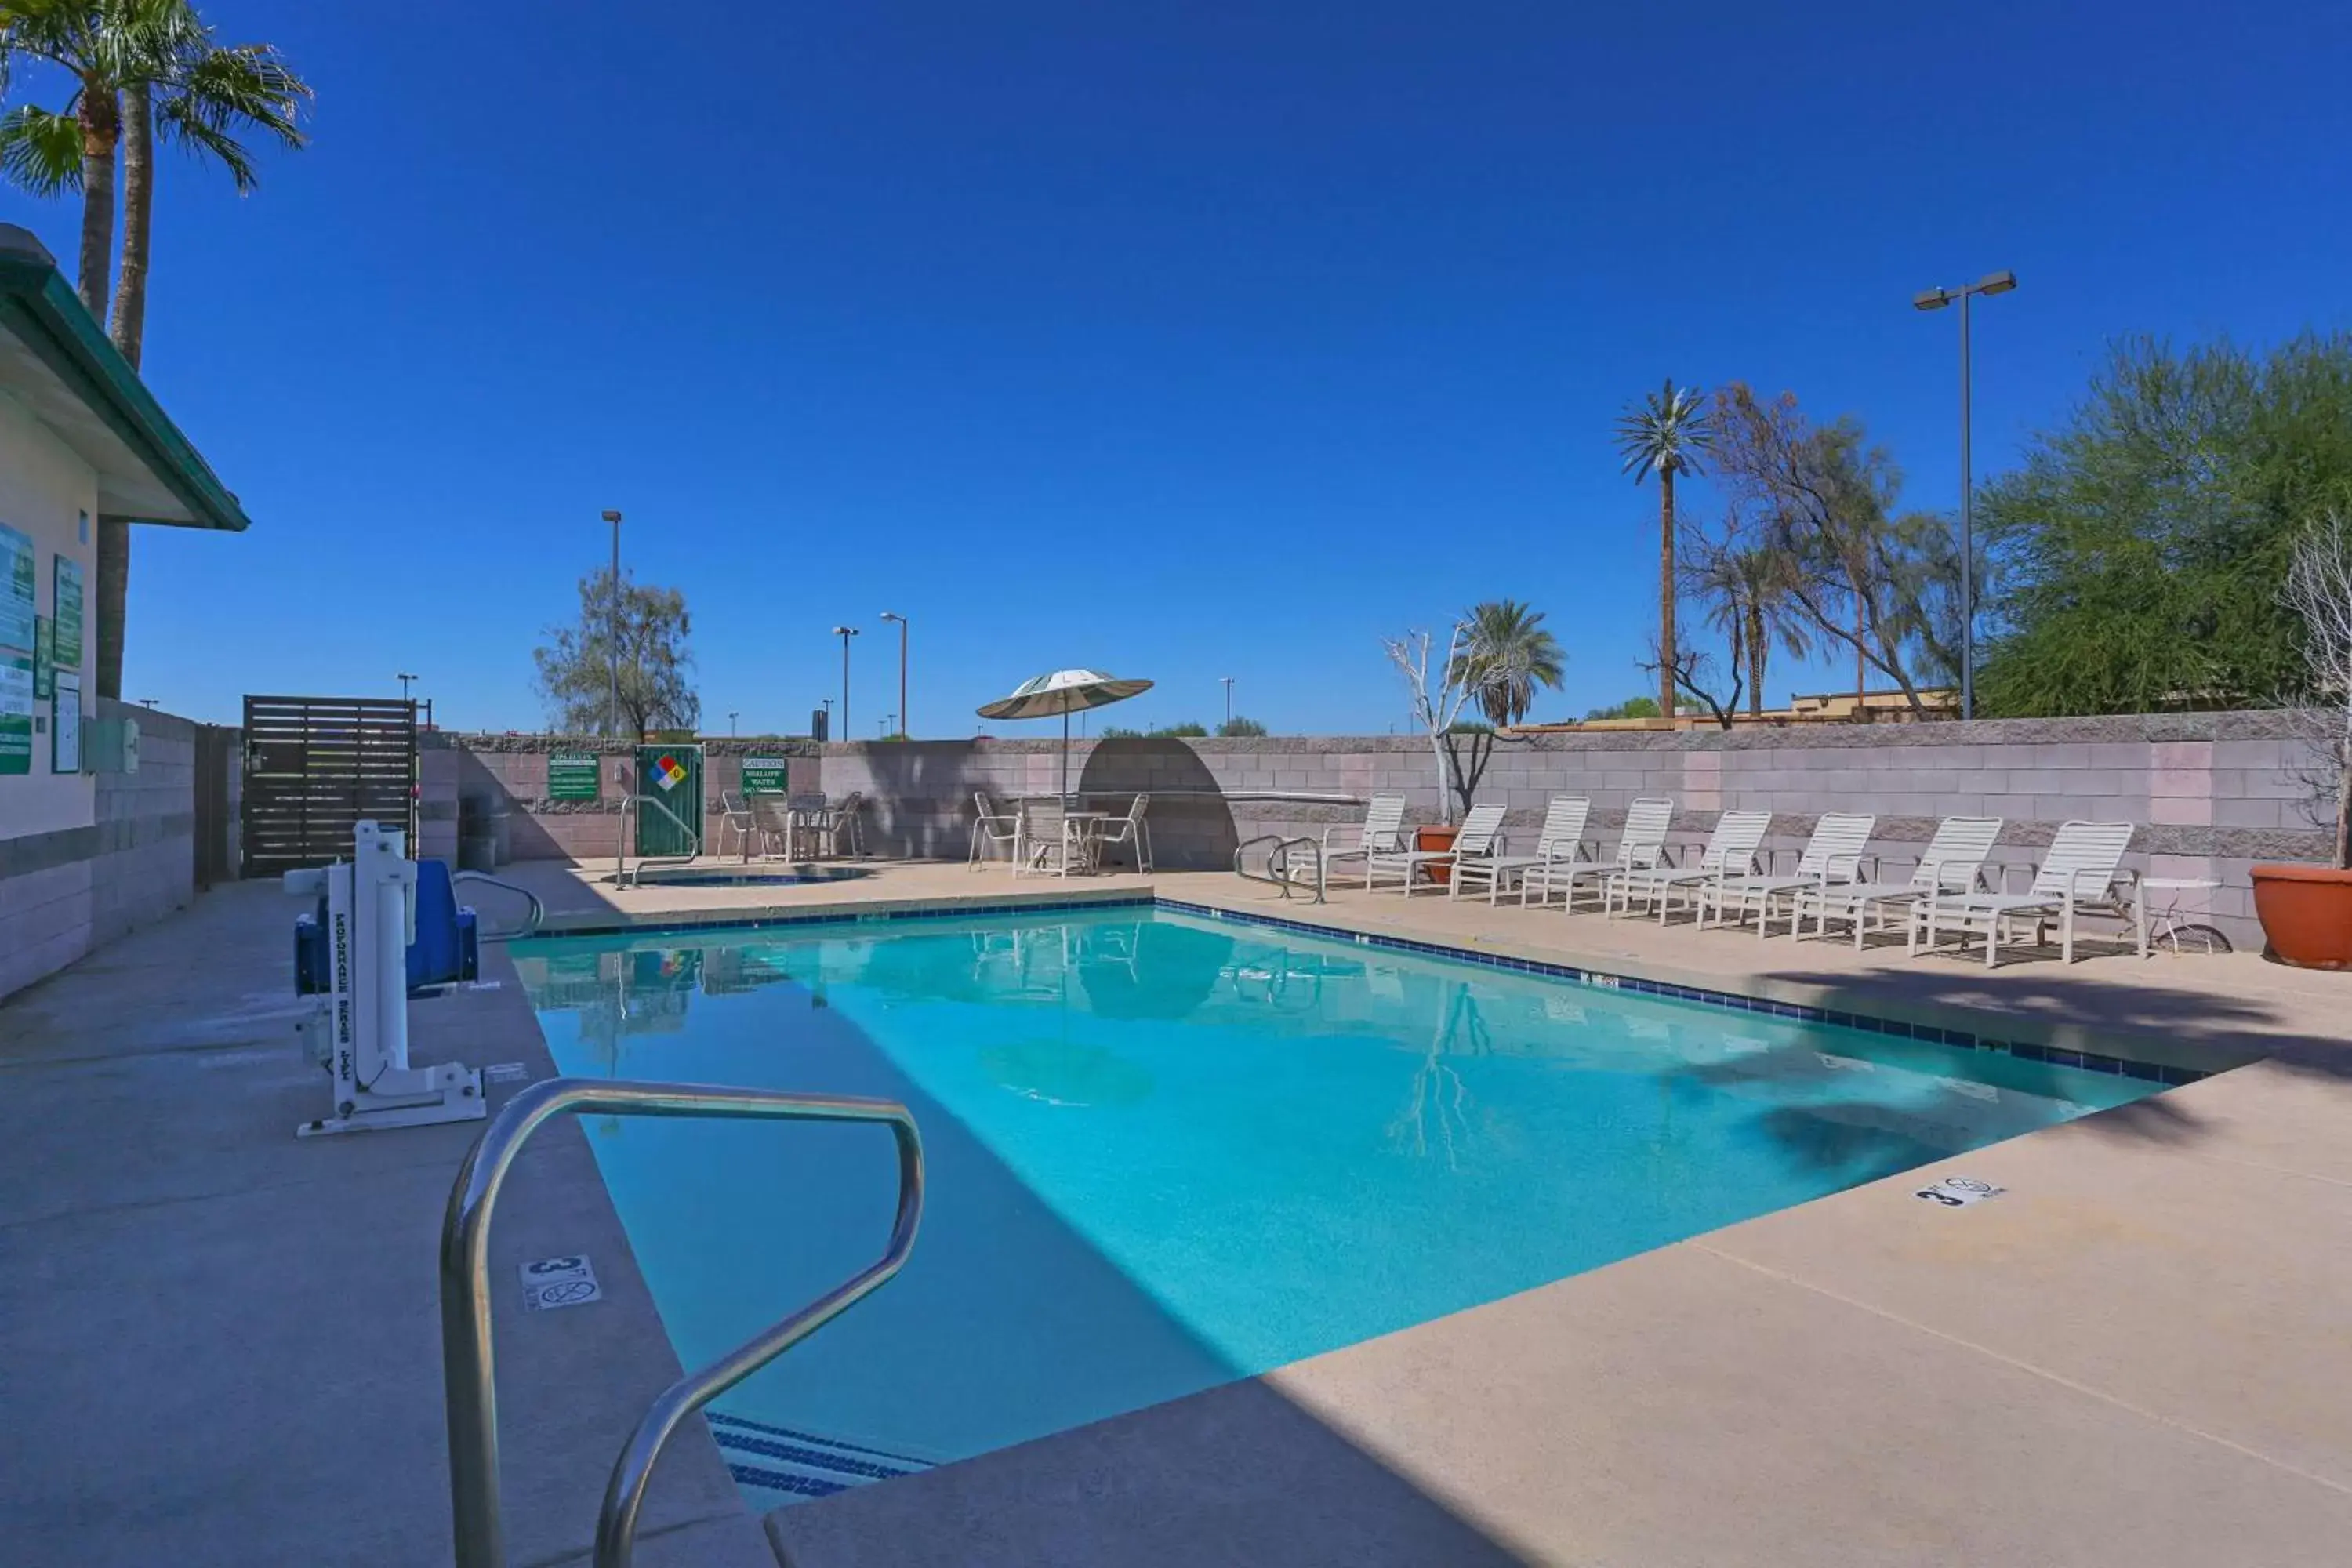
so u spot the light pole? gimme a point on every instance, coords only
(1229, 701)
(827, 703)
(732, 713)
(845, 634)
(612, 632)
(893, 615)
(405, 680)
(1935, 299)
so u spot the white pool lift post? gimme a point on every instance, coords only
(1063, 692)
(358, 1027)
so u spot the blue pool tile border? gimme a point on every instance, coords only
(1896, 1028)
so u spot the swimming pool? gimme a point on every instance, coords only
(1167, 1151)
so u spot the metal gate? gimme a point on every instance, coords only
(314, 766)
(217, 760)
(669, 800)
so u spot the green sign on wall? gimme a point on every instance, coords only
(16, 594)
(69, 613)
(45, 658)
(767, 775)
(572, 776)
(15, 713)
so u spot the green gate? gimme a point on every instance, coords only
(670, 805)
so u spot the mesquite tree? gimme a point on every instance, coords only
(2318, 591)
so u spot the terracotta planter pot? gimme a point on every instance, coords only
(2307, 914)
(1435, 838)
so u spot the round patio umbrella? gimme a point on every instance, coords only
(1065, 692)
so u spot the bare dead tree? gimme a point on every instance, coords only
(1693, 672)
(2318, 591)
(1435, 708)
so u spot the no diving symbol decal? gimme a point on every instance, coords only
(559, 1282)
(1959, 1192)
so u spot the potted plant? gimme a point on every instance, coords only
(2306, 910)
(1496, 654)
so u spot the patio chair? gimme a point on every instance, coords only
(1731, 852)
(1047, 837)
(990, 828)
(1952, 862)
(776, 828)
(1562, 830)
(1475, 836)
(841, 828)
(1641, 844)
(1130, 831)
(1381, 832)
(1833, 854)
(737, 820)
(2084, 862)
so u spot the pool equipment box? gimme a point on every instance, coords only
(357, 1028)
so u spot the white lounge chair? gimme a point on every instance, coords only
(1952, 862)
(1563, 828)
(1381, 832)
(1642, 843)
(1475, 836)
(1731, 852)
(2080, 872)
(1833, 854)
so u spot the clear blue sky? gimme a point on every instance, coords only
(1183, 340)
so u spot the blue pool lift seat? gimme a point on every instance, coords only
(447, 948)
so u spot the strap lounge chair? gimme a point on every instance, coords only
(1952, 862)
(1562, 833)
(2084, 862)
(1731, 852)
(736, 819)
(1833, 854)
(1641, 846)
(1475, 836)
(1380, 833)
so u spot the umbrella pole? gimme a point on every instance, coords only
(1066, 761)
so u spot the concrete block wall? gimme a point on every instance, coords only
(2214, 792)
(64, 894)
(506, 775)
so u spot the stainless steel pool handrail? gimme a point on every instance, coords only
(1277, 863)
(531, 924)
(621, 840)
(468, 1373)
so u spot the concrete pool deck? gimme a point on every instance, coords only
(2141, 1353)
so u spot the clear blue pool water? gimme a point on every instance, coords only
(1165, 1152)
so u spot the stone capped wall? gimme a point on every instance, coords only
(2214, 792)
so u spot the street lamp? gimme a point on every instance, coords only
(1935, 299)
(731, 713)
(406, 678)
(613, 632)
(1229, 701)
(893, 615)
(845, 634)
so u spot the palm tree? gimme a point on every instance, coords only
(139, 65)
(1747, 590)
(1665, 435)
(1507, 657)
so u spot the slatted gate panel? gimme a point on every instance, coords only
(314, 766)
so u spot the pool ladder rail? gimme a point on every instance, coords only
(1290, 863)
(531, 920)
(623, 876)
(469, 1377)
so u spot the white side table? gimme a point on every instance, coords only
(2169, 922)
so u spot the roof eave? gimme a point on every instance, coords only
(48, 318)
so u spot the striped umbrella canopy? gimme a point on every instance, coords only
(1063, 693)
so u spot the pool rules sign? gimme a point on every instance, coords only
(572, 776)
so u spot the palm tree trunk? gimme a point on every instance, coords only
(101, 131)
(129, 327)
(1666, 591)
(1756, 653)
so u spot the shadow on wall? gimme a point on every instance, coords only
(1190, 823)
(919, 799)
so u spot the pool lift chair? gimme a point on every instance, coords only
(359, 958)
